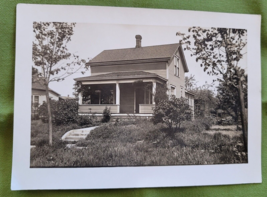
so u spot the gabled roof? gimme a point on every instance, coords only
(38, 85)
(149, 52)
(142, 55)
(121, 75)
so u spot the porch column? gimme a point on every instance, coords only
(118, 96)
(153, 92)
(80, 95)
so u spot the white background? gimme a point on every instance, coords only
(23, 177)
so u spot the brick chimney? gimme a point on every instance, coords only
(138, 41)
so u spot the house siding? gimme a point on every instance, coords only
(53, 96)
(157, 68)
(178, 82)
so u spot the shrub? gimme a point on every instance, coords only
(63, 111)
(172, 112)
(199, 124)
(106, 115)
(84, 120)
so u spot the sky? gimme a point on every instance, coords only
(91, 39)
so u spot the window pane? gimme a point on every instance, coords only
(36, 99)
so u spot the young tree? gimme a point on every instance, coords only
(190, 83)
(220, 51)
(50, 55)
(205, 99)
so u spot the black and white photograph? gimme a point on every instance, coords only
(125, 95)
(139, 100)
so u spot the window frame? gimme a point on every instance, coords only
(176, 66)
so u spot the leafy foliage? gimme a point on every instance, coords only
(219, 51)
(198, 125)
(63, 112)
(190, 83)
(86, 120)
(172, 112)
(227, 96)
(161, 93)
(49, 55)
(106, 115)
(205, 102)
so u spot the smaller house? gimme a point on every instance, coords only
(38, 93)
(38, 96)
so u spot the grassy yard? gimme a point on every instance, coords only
(136, 144)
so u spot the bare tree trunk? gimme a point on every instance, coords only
(49, 114)
(242, 110)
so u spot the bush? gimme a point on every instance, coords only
(84, 120)
(172, 112)
(106, 115)
(199, 124)
(63, 111)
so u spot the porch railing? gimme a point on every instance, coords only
(146, 108)
(98, 108)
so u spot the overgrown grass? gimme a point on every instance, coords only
(139, 143)
(40, 134)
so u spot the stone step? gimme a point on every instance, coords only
(77, 134)
(74, 138)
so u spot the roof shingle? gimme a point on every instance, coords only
(149, 52)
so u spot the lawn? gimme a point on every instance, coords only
(138, 143)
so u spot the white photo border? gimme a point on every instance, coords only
(26, 178)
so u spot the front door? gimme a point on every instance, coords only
(126, 98)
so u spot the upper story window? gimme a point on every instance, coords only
(176, 66)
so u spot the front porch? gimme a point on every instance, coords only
(122, 98)
(130, 92)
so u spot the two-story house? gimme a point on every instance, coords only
(115, 75)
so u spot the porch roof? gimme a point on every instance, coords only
(121, 76)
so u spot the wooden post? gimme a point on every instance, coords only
(134, 100)
(80, 98)
(153, 92)
(118, 96)
(114, 96)
(144, 95)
